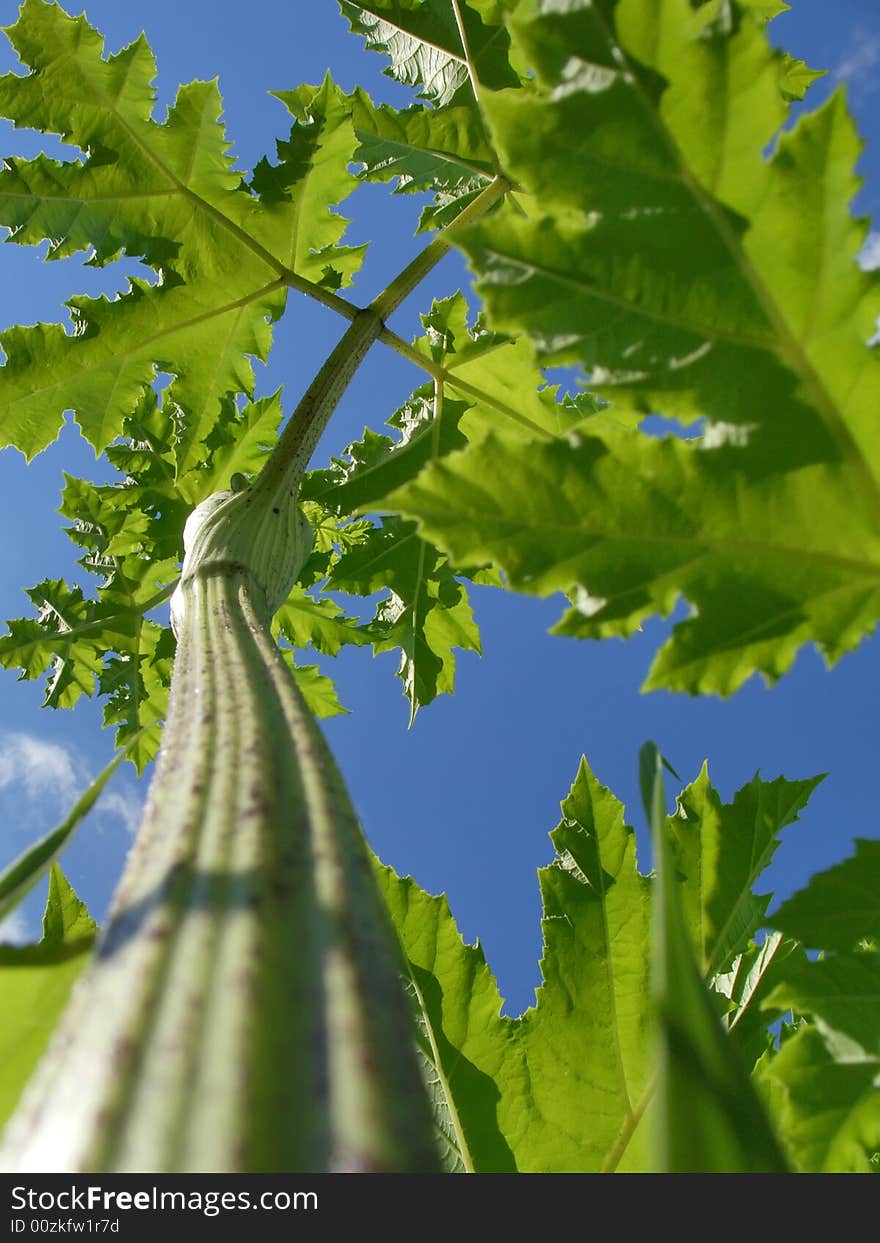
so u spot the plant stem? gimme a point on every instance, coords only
(243, 1012)
(415, 272)
(290, 456)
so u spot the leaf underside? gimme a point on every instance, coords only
(571, 1085)
(656, 247)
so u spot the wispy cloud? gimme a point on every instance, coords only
(861, 64)
(869, 258)
(44, 769)
(869, 255)
(50, 777)
(122, 805)
(15, 930)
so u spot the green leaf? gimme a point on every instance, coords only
(763, 9)
(66, 919)
(426, 613)
(626, 523)
(593, 1015)
(498, 376)
(60, 640)
(145, 459)
(798, 77)
(35, 982)
(424, 148)
(311, 175)
(442, 46)
(238, 443)
(842, 995)
(169, 194)
(569, 1086)
(108, 642)
(747, 986)
(661, 272)
(564, 1087)
(137, 684)
(498, 382)
(463, 1039)
(722, 850)
(694, 277)
(839, 908)
(826, 1112)
(709, 1119)
(376, 464)
(321, 624)
(444, 151)
(317, 690)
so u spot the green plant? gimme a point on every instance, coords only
(567, 154)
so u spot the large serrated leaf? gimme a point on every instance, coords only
(625, 523)
(562, 1088)
(62, 641)
(426, 614)
(826, 1111)
(167, 193)
(840, 907)
(311, 174)
(722, 850)
(443, 150)
(569, 1085)
(463, 1039)
(692, 276)
(842, 994)
(318, 623)
(747, 985)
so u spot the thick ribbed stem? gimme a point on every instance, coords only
(284, 467)
(244, 1010)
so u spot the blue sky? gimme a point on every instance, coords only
(465, 799)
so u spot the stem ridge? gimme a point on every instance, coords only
(243, 1012)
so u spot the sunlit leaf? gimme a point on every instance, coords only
(166, 192)
(570, 1085)
(35, 982)
(426, 614)
(826, 1111)
(692, 276)
(441, 46)
(839, 907)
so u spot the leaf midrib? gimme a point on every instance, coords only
(443, 157)
(789, 347)
(446, 1087)
(97, 624)
(180, 326)
(757, 864)
(487, 519)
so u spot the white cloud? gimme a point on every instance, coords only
(858, 67)
(123, 805)
(15, 930)
(43, 768)
(52, 776)
(869, 255)
(869, 258)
